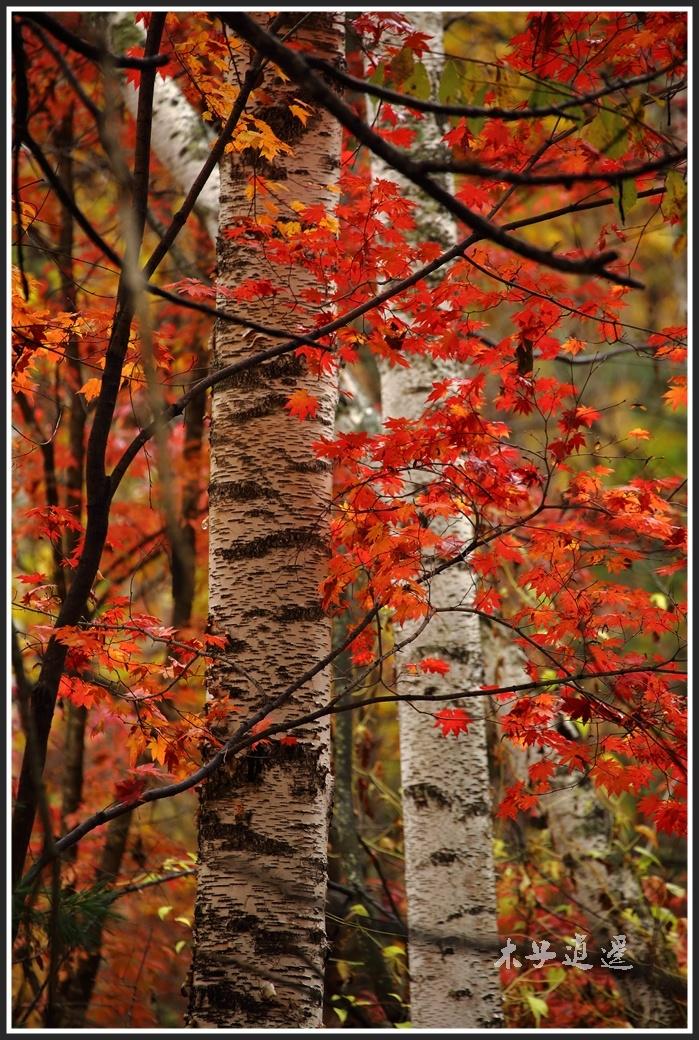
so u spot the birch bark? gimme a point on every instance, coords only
(449, 865)
(259, 942)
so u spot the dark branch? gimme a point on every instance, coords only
(242, 738)
(97, 54)
(475, 111)
(294, 65)
(615, 177)
(213, 378)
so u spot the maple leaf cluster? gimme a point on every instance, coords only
(526, 463)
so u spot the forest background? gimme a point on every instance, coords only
(132, 685)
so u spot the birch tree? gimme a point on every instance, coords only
(263, 820)
(449, 865)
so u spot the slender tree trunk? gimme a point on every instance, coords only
(449, 866)
(181, 139)
(181, 142)
(348, 853)
(75, 715)
(259, 941)
(77, 988)
(447, 806)
(613, 903)
(175, 126)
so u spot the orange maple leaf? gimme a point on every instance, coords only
(90, 389)
(302, 404)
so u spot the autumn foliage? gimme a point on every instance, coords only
(557, 379)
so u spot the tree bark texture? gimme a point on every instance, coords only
(263, 821)
(449, 865)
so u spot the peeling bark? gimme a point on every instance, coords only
(449, 869)
(263, 821)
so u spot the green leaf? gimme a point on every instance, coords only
(555, 976)
(539, 1008)
(392, 952)
(450, 83)
(341, 1014)
(575, 113)
(646, 854)
(674, 204)
(661, 913)
(163, 911)
(180, 945)
(542, 95)
(358, 911)
(475, 123)
(378, 75)
(546, 93)
(402, 65)
(608, 133)
(418, 84)
(625, 197)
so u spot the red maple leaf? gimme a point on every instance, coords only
(452, 720)
(433, 664)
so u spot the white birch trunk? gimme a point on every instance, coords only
(259, 942)
(449, 865)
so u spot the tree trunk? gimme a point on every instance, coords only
(259, 942)
(177, 139)
(449, 866)
(181, 139)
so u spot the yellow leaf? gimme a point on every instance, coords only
(91, 389)
(301, 111)
(158, 748)
(572, 346)
(289, 228)
(331, 223)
